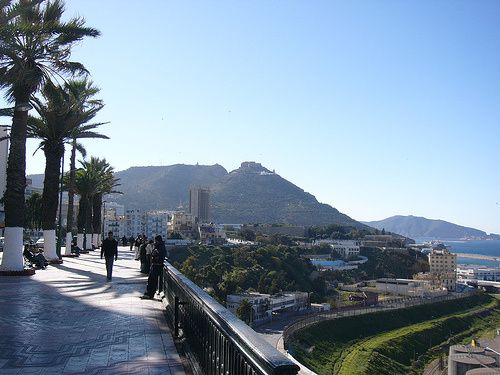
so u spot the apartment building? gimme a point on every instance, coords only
(211, 233)
(442, 267)
(135, 224)
(183, 223)
(199, 204)
(346, 248)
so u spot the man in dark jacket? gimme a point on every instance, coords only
(109, 249)
(157, 258)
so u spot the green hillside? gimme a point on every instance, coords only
(395, 342)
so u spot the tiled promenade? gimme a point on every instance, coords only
(67, 319)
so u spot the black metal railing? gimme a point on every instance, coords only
(220, 342)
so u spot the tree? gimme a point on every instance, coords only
(85, 186)
(83, 92)
(33, 212)
(247, 234)
(94, 179)
(35, 47)
(245, 311)
(106, 186)
(58, 123)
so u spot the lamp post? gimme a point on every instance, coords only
(103, 218)
(59, 234)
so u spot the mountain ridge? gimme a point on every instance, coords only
(248, 194)
(421, 227)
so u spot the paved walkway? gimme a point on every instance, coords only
(68, 319)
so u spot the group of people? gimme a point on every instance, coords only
(34, 256)
(151, 254)
(143, 252)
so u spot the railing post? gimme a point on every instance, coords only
(176, 316)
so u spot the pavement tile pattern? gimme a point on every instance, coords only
(68, 319)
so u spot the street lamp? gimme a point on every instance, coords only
(103, 218)
(59, 234)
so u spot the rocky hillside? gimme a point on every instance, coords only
(249, 194)
(253, 194)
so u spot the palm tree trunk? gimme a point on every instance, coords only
(80, 220)
(50, 197)
(97, 217)
(14, 202)
(88, 224)
(71, 188)
(71, 198)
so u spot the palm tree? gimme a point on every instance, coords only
(95, 178)
(83, 92)
(85, 186)
(106, 186)
(60, 120)
(35, 47)
(34, 212)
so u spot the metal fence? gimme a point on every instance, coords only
(398, 303)
(221, 343)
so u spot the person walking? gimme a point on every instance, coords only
(109, 249)
(137, 245)
(157, 257)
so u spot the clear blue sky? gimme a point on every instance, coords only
(377, 108)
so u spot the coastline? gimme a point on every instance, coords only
(478, 256)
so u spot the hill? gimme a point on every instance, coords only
(413, 226)
(164, 187)
(253, 194)
(249, 194)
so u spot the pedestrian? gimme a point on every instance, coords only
(124, 241)
(137, 245)
(157, 257)
(131, 240)
(109, 249)
(143, 257)
(149, 250)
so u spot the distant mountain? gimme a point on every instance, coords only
(165, 187)
(249, 194)
(413, 226)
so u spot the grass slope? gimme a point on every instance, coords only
(395, 342)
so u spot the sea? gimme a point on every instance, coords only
(484, 247)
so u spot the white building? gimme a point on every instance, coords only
(474, 272)
(156, 223)
(264, 305)
(114, 219)
(346, 248)
(211, 233)
(135, 224)
(119, 209)
(407, 287)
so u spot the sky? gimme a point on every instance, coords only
(378, 108)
